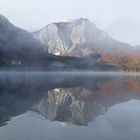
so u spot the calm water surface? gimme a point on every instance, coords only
(69, 106)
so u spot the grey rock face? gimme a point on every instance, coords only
(61, 38)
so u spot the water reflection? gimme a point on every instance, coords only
(69, 98)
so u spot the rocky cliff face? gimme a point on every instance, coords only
(79, 40)
(19, 49)
(61, 38)
(81, 37)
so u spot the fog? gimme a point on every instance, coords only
(77, 95)
(33, 15)
(68, 74)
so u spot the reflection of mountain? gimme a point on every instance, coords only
(79, 100)
(73, 105)
(80, 106)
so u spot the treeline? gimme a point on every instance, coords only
(131, 67)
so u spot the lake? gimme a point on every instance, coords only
(69, 106)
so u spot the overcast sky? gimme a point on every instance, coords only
(120, 18)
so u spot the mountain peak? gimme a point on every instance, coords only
(82, 20)
(63, 36)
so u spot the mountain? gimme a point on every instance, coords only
(17, 46)
(21, 51)
(64, 36)
(81, 37)
(77, 38)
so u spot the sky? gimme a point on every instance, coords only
(119, 18)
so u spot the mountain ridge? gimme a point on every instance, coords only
(19, 50)
(77, 45)
(81, 37)
(68, 34)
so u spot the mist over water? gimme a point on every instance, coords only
(70, 105)
(74, 75)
